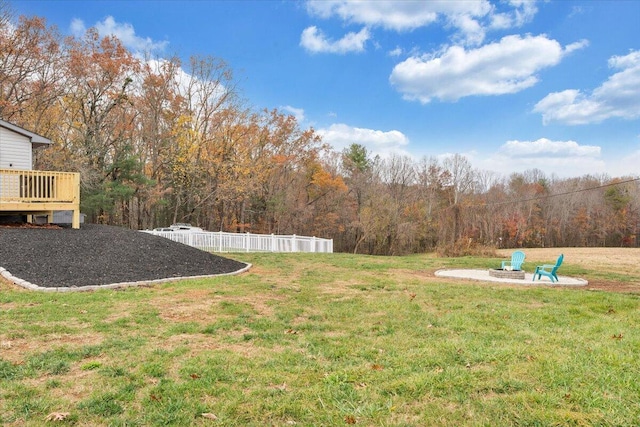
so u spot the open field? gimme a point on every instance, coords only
(606, 258)
(331, 339)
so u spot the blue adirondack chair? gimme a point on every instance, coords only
(549, 270)
(517, 258)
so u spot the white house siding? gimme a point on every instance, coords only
(15, 150)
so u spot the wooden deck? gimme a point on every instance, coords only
(33, 192)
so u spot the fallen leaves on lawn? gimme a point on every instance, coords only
(57, 416)
(209, 416)
(281, 387)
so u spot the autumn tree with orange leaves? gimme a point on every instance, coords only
(158, 141)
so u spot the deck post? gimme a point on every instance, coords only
(75, 219)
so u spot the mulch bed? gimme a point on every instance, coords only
(101, 255)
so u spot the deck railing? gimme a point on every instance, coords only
(31, 191)
(219, 241)
(38, 186)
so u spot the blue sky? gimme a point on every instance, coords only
(511, 85)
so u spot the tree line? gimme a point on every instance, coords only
(158, 141)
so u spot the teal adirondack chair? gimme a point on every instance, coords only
(517, 258)
(549, 270)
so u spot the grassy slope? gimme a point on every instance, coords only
(324, 340)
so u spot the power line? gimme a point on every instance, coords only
(549, 196)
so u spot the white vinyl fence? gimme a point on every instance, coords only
(218, 241)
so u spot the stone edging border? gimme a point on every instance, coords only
(28, 285)
(483, 275)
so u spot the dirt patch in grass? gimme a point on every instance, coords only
(204, 310)
(75, 385)
(611, 286)
(195, 342)
(15, 349)
(188, 306)
(260, 304)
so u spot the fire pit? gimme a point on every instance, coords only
(506, 274)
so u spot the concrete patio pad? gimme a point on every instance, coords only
(483, 275)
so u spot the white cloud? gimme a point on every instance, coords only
(469, 19)
(619, 97)
(377, 142)
(314, 40)
(560, 158)
(298, 113)
(545, 148)
(123, 31)
(627, 165)
(507, 66)
(181, 78)
(576, 46)
(523, 12)
(196, 91)
(471, 33)
(77, 27)
(561, 167)
(393, 15)
(396, 52)
(576, 11)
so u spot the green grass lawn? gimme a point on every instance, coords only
(323, 340)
